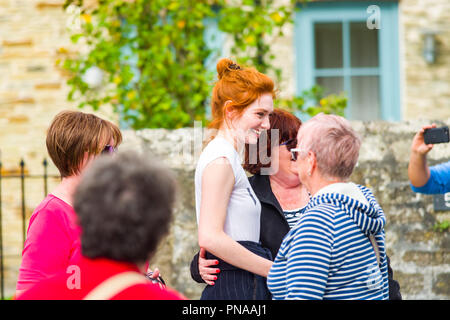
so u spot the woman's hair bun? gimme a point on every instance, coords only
(224, 65)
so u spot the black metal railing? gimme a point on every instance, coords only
(23, 177)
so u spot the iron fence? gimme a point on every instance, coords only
(23, 177)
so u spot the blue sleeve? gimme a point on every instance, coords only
(309, 257)
(439, 181)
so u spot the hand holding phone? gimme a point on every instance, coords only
(436, 135)
(418, 145)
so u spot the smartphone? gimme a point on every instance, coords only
(436, 135)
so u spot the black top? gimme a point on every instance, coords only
(274, 227)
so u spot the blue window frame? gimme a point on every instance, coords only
(214, 40)
(336, 49)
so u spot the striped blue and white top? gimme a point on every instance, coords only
(293, 216)
(328, 255)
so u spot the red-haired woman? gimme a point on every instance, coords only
(228, 211)
(276, 185)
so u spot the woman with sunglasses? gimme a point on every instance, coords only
(124, 206)
(276, 185)
(337, 249)
(74, 140)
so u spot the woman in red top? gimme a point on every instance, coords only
(124, 206)
(74, 139)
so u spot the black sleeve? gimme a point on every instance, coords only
(394, 286)
(195, 273)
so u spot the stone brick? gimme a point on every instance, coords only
(36, 68)
(415, 17)
(49, 4)
(420, 236)
(401, 214)
(17, 43)
(441, 284)
(427, 258)
(18, 119)
(410, 283)
(48, 85)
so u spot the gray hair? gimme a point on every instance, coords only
(124, 204)
(334, 142)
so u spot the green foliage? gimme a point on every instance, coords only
(250, 24)
(443, 226)
(314, 101)
(152, 56)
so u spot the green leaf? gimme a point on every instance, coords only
(75, 37)
(152, 54)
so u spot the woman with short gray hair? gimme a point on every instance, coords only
(336, 250)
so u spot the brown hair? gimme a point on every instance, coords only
(242, 86)
(288, 125)
(72, 133)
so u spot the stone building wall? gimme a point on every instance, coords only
(425, 87)
(34, 36)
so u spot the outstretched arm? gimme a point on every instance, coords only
(418, 171)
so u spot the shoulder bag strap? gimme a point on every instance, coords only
(115, 284)
(375, 248)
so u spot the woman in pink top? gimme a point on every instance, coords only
(74, 139)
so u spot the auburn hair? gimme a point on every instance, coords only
(72, 133)
(287, 125)
(242, 86)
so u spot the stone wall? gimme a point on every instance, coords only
(419, 255)
(34, 36)
(425, 87)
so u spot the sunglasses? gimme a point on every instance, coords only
(291, 143)
(108, 149)
(295, 152)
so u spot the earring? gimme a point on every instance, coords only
(309, 172)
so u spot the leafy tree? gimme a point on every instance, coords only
(314, 101)
(151, 55)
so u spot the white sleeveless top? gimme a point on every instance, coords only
(242, 222)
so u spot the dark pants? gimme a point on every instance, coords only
(237, 284)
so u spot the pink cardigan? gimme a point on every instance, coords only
(52, 244)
